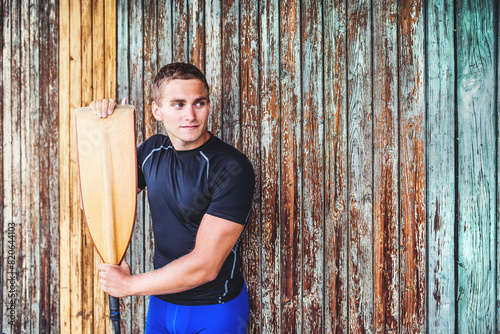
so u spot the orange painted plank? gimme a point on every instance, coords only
(250, 122)
(313, 172)
(412, 167)
(385, 167)
(291, 172)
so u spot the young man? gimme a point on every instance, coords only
(200, 192)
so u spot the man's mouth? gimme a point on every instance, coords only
(189, 127)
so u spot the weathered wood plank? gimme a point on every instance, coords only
(497, 38)
(4, 226)
(440, 172)
(476, 166)
(291, 171)
(64, 165)
(385, 170)
(151, 48)
(110, 49)
(231, 118)
(150, 64)
(412, 166)
(24, 181)
(53, 232)
(88, 269)
(99, 19)
(360, 167)
(136, 84)
(164, 23)
(196, 33)
(265, 311)
(213, 63)
(122, 79)
(10, 226)
(313, 166)
(180, 30)
(33, 138)
(48, 130)
(165, 53)
(336, 218)
(75, 100)
(250, 123)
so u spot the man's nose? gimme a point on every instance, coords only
(189, 113)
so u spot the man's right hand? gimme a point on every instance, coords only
(104, 108)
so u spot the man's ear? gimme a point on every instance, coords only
(155, 109)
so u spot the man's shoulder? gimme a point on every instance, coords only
(222, 155)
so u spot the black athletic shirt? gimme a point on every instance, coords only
(214, 178)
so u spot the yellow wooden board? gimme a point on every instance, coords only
(108, 178)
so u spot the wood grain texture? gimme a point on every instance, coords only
(313, 166)
(336, 222)
(360, 167)
(386, 232)
(75, 233)
(196, 33)
(123, 84)
(180, 30)
(213, 63)
(251, 126)
(291, 224)
(93, 303)
(231, 108)
(476, 166)
(348, 118)
(99, 20)
(136, 94)
(5, 151)
(267, 317)
(32, 115)
(25, 167)
(440, 146)
(64, 149)
(412, 166)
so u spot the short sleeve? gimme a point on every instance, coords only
(232, 186)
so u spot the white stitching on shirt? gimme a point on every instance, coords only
(150, 153)
(208, 162)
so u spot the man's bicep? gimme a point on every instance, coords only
(216, 238)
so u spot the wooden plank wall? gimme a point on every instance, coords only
(29, 181)
(87, 71)
(372, 127)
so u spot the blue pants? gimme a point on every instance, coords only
(227, 318)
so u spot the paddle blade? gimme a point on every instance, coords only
(108, 178)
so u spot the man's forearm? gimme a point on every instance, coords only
(180, 275)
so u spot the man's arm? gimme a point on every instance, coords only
(215, 239)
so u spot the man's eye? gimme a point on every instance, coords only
(178, 105)
(200, 104)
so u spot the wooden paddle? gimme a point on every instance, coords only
(108, 183)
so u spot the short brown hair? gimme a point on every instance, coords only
(182, 71)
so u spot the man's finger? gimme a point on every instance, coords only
(98, 106)
(111, 106)
(105, 104)
(92, 106)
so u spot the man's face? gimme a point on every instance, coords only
(184, 113)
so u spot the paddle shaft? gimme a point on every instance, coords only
(114, 314)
